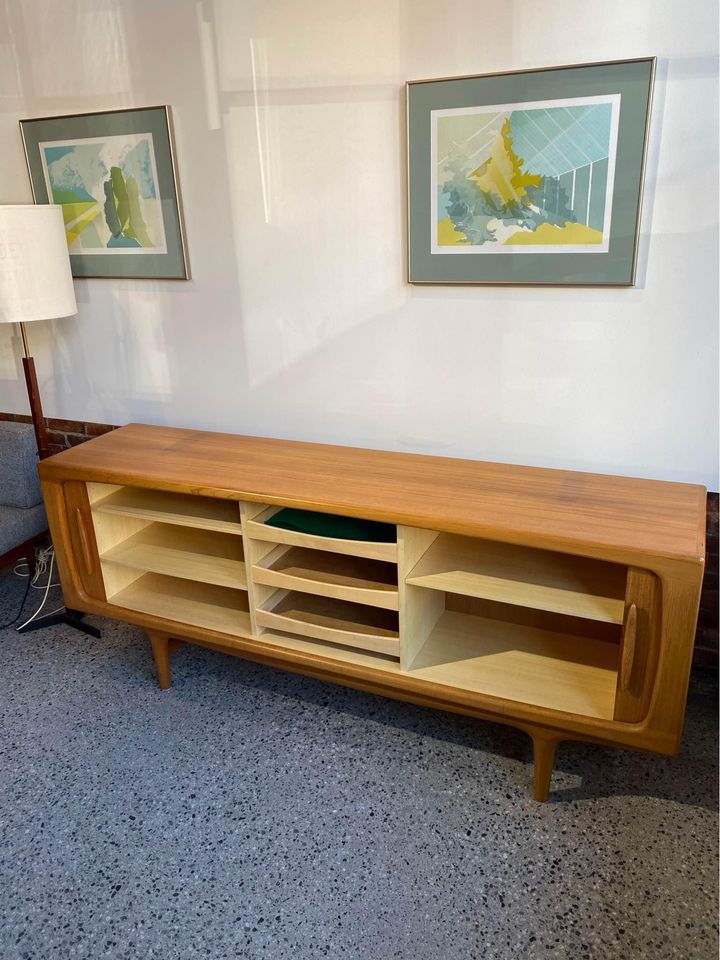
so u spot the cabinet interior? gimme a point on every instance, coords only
(502, 620)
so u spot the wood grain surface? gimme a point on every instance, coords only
(582, 512)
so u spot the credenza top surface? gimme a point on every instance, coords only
(538, 506)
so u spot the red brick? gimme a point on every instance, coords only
(97, 429)
(705, 657)
(713, 508)
(74, 439)
(56, 439)
(67, 426)
(707, 637)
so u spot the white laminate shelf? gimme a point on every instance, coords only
(358, 579)
(523, 576)
(191, 554)
(182, 601)
(205, 513)
(525, 664)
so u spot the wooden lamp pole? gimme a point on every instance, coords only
(36, 411)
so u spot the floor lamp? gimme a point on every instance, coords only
(36, 284)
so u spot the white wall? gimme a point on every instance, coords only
(297, 323)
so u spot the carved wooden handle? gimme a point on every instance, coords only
(628, 647)
(84, 542)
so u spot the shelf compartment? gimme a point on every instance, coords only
(553, 670)
(523, 576)
(202, 555)
(185, 510)
(257, 529)
(358, 579)
(336, 621)
(197, 604)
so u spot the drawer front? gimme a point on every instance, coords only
(353, 548)
(388, 599)
(347, 638)
(82, 538)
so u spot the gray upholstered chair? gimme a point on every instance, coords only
(22, 514)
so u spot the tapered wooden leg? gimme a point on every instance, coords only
(544, 748)
(160, 648)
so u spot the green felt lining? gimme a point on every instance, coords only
(331, 525)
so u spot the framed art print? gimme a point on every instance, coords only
(529, 177)
(113, 174)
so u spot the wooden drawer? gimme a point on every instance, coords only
(257, 529)
(355, 579)
(349, 624)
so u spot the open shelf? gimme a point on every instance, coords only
(203, 555)
(258, 529)
(206, 513)
(523, 576)
(197, 604)
(359, 579)
(553, 670)
(336, 621)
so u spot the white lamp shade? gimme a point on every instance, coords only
(35, 278)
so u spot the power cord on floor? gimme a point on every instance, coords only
(44, 564)
(17, 616)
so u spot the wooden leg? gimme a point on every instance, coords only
(544, 747)
(160, 648)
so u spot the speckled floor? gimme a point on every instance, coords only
(252, 813)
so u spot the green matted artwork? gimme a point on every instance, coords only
(529, 177)
(113, 174)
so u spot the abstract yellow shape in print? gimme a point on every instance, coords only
(72, 211)
(549, 235)
(501, 174)
(448, 236)
(76, 227)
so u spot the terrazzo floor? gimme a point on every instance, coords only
(251, 813)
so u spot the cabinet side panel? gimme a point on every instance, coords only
(73, 538)
(82, 538)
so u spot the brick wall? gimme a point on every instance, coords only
(68, 433)
(62, 434)
(706, 639)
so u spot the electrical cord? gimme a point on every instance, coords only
(41, 564)
(47, 588)
(22, 569)
(9, 623)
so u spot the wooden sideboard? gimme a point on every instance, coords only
(562, 603)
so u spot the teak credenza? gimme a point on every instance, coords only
(558, 602)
